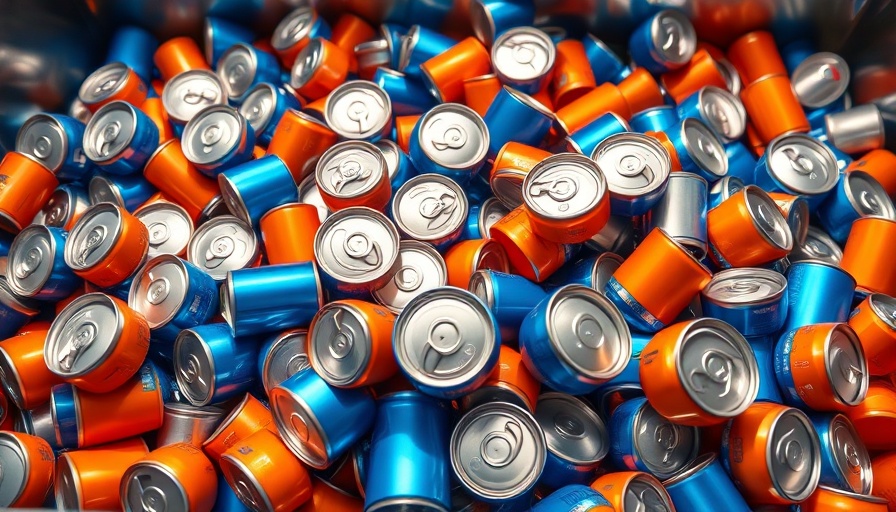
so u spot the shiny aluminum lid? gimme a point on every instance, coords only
(340, 344)
(350, 169)
(67, 484)
(644, 494)
(793, 455)
(93, 236)
(31, 259)
(194, 367)
(753, 286)
(884, 307)
(444, 337)
(564, 186)
(259, 105)
(237, 68)
(44, 138)
(634, 164)
(731, 76)
(604, 267)
(83, 335)
(851, 456)
(65, 202)
(187, 93)
(802, 163)
(372, 55)
(150, 485)
(110, 131)
(673, 36)
(482, 22)
(294, 27)
(310, 194)
(572, 430)
(159, 289)
(818, 246)
(846, 365)
(867, 196)
(307, 62)
(723, 112)
(391, 154)
(820, 79)
(491, 211)
(717, 367)
(244, 484)
(100, 189)
(727, 187)
(356, 245)
(358, 109)
(767, 218)
(104, 83)
(285, 358)
(420, 268)
(507, 186)
(212, 134)
(664, 447)
(453, 135)
(429, 207)
(222, 244)
(704, 147)
(23, 305)
(498, 451)
(523, 54)
(170, 227)
(299, 427)
(16, 468)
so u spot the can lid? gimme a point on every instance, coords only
(43, 137)
(453, 136)
(820, 79)
(673, 36)
(730, 74)
(194, 367)
(104, 83)
(297, 423)
(244, 483)
(350, 169)
(507, 186)
(293, 28)
(802, 163)
(634, 164)
(864, 498)
(212, 134)
(61, 207)
(572, 430)
(430, 207)
(310, 194)
(767, 217)
(358, 109)
(222, 244)
(83, 335)
(482, 286)
(159, 289)
(793, 454)
(482, 22)
(696, 466)
(16, 468)
(818, 246)
(523, 54)
(67, 484)
(187, 93)
(420, 268)
(110, 131)
(846, 365)
(307, 63)
(851, 456)
(704, 146)
(237, 68)
(645, 493)
(356, 245)
(745, 286)
(723, 112)
(867, 196)
(285, 358)
(663, 446)
(340, 344)
(101, 189)
(498, 450)
(717, 367)
(727, 186)
(564, 186)
(391, 154)
(259, 105)
(588, 332)
(884, 307)
(605, 265)
(94, 235)
(170, 227)
(490, 212)
(31, 259)
(150, 485)
(444, 337)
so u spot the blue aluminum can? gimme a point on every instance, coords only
(36, 266)
(243, 66)
(857, 195)
(15, 311)
(482, 217)
(586, 138)
(429, 14)
(128, 191)
(699, 149)
(741, 162)
(218, 138)
(798, 164)
(764, 350)
(263, 108)
(408, 96)
(656, 119)
(649, 45)
(271, 298)
(408, 459)
(211, 365)
(605, 64)
(393, 33)
(631, 375)
(360, 455)
(318, 422)
(55, 140)
(571, 458)
(120, 138)
(752, 300)
(592, 271)
(418, 46)
(817, 292)
(133, 46)
(219, 35)
(509, 297)
(491, 18)
(256, 187)
(515, 117)
(452, 140)
(572, 498)
(703, 486)
(845, 462)
(796, 52)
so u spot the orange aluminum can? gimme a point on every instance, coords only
(796, 210)
(334, 332)
(701, 71)
(573, 77)
(466, 257)
(511, 374)
(28, 465)
(875, 418)
(748, 229)
(773, 108)
(445, 73)
(128, 410)
(529, 255)
(348, 32)
(175, 176)
(25, 186)
(265, 475)
(127, 87)
(883, 467)
(112, 263)
(544, 97)
(316, 109)
(299, 140)
(327, 498)
(879, 163)
(640, 91)
(26, 379)
(174, 477)
(616, 486)
(177, 55)
(756, 56)
(153, 108)
(513, 163)
(246, 418)
(480, 92)
(868, 254)
(827, 499)
(313, 77)
(874, 321)
(595, 103)
(404, 127)
(288, 233)
(88, 479)
(666, 142)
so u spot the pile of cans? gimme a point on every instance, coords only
(347, 267)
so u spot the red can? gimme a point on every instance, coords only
(25, 186)
(246, 418)
(320, 67)
(177, 55)
(748, 229)
(827, 499)
(773, 108)
(288, 233)
(868, 254)
(593, 104)
(756, 56)
(466, 257)
(573, 77)
(480, 91)
(879, 163)
(107, 245)
(28, 464)
(174, 477)
(88, 479)
(445, 73)
(299, 140)
(640, 91)
(701, 71)
(875, 418)
(170, 171)
(529, 255)
(875, 324)
(26, 379)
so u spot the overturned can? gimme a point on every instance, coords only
(430, 208)
(637, 170)
(681, 212)
(752, 300)
(107, 245)
(575, 436)
(36, 265)
(180, 474)
(223, 244)
(845, 462)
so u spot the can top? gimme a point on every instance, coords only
(358, 109)
(222, 244)
(704, 146)
(298, 424)
(767, 217)
(356, 245)
(159, 289)
(307, 63)
(634, 164)
(818, 246)
(645, 493)
(285, 358)
(717, 367)
(727, 186)
(194, 367)
(794, 454)
(884, 307)
(730, 74)
(152, 482)
(237, 68)
(350, 169)
(867, 196)
(663, 446)
(212, 134)
(43, 137)
(673, 36)
(93, 236)
(8, 298)
(491, 211)
(259, 105)
(110, 131)
(104, 83)
(31, 259)
(187, 93)
(820, 79)
(391, 154)
(523, 54)
(745, 286)
(83, 335)
(310, 194)
(246, 486)
(430, 207)
(498, 450)
(564, 186)
(63, 203)
(169, 225)
(453, 135)
(572, 430)
(723, 112)
(340, 344)
(444, 337)
(802, 164)
(846, 365)
(851, 456)
(294, 27)
(16, 468)
(420, 268)
(101, 189)
(696, 466)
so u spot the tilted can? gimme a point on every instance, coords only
(217, 138)
(681, 212)
(184, 423)
(655, 119)
(55, 140)
(576, 440)
(211, 365)
(359, 110)
(265, 105)
(430, 208)
(637, 170)
(827, 498)
(523, 58)
(796, 211)
(592, 271)
(755, 55)
(509, 381)
(752, 300)
(64, 207)
(120, 138)
(845, 462)
(664, 42)
(255, 187)
(24, 375)
(641, 91)
(420, 268)
(509, 169)
(747, 229)
(873, 417)
(177, 55)
(408, 96)
(817, 246)
(510, 298)
(248, 416)
(480, 91)
(179, 475)
(445, 73)
(820, 79)
(170, 228)
(27, 186)
(469, 256)
(530, 255)
(36, 265)
(573, 497)
(605, 64)
(798, 164)
(28, 466)
(874, 322)
(594, 103)
(169, 170)
(730, 185)
(300, 158)
(857, 195)
(702, 485)
(573, 75)
(107, 245)
(127, 191)
(419, 45)
(698, 149)
(450, 139)
(294, 32)
(876, 163)
(866, 255)
(288, 233)
(189, 92)
(586, 138)
(633, 489)
(353, 173)
(223, 244)
(89, 478)
(720, 110)
(218, 35)
(856, 130)
(701, 71)
(319, 69)
(243, 66)
(817, 292)
(113, 82)
(515, 116)
(282, 356)
(775, 92)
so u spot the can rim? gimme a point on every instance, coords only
(691, 469)
(288, 435)
(56, 126)
(52, 344)
(37, 230)
(165, 470)
(65, 468)
(582, 407)
(246, 473)
(846, 330)
(363, 365)
(812, 482)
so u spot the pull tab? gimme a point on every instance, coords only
(444, 339)
(351, 249)
(248, 495)
(56, 214)
(720, 117)
(77, 342)
(158, 233)
(408, 279)
(560, 189)
(715, 368)
(91, 243)
(666, 437)
(672, 31)
(212, 135)
(649, 500)
(348, 172)
(438, 209)
(852, 458)
(192, 372)
(106, 86)
(218, 251)
(635, 165)
(869, 203)
(454, 137)
(829, 72)
(799, 163)
(294, 28)
(498, 449)
(740, 288)
(152, 499)
(589, 332)
(42, 147)
(359, 112)
(29, 263)
(158, 291)
(296, 364)
(236, 72)
(108, 135)
(523, 54)
(569, 426)
(192, 97)
(789, 451)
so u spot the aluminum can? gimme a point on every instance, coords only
(656, 119)
(398, 163)
(491, 18)
(632, 489)
(482, 217)
(154, 108)
(120, 138)
(510, 382)
(218, 35)
(359, 110)
(170, 228)
(271, 298)
(37, 422)
(36, 265)
(866, 255)
(796, 211)
(64, 207)
(451, 140)
(876, 163)
(718, 109)
(247, 417)
(25, 377)
(255, 187)
(189, 92)
(637, 170)
(107, 245)
(755, 56)
(510, 298)
(177, 55)
(827, 498)
(592, 271)
(764, 352)
(856, 195)
(592, 104)
(216, 139)
(699, 72)
(374, 54)
(873, 417)
(856, 130)
(576, 439)
(747, 229)
(15, 311)
(741, 162)
(288, 233)
(27, 185)
(820, 79)
(325, 498)
(510, 167)
(874, 321)
(523, 58)
(559, 346)
(677, 363)
(169, 170)
(573, 73)
(641, 91)
(264, 106)
(211, 365)
(818, 246)
(184, 423)
(698, 149)
(530, 256)
(773, 454)
(573, 497)
(295, 31)
(845, 462)
(319, 69)
(55, 140)
(445, 73)
(681, 212)
(243, 66)
(752, 300)
(627, 380)
(353, 173)
(605, 64)
(133, 46)
(223, 244)
(28, 464)
(282, 356)
(420, 268)
(469, 256)
(702, 485)
(419, 45)
(300, 158)
(113, 82)
(586, 138)
(406, 95)
(664, 42)
(402, 130)
(517, 117)
(179, 475)
(774, 94)
(89, 478)
(128, 192)
(818, 292)
(318, 422)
